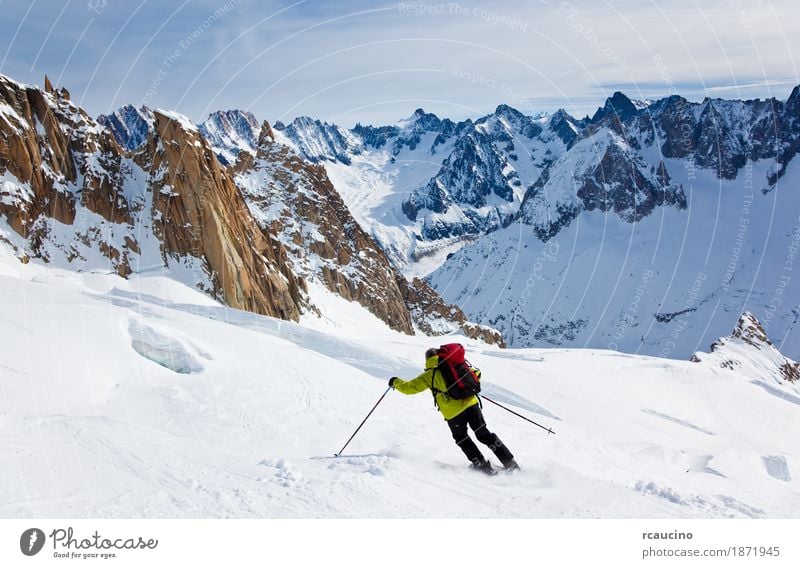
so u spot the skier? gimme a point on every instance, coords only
(458, 413)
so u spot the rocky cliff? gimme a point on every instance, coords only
(295, 201)
(72, 196)
(199, 211)
(62, 173)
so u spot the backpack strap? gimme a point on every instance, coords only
(477, 372)
(434, 390)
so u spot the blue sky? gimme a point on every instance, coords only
(375, 62)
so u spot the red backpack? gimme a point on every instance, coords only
(460, 377)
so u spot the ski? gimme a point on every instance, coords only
(488, 470)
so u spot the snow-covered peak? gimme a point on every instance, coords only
(15, 83)
(566, 127)
(421, 120)
(129, 125)
(617, 106)
(750, 330)
(509, 121)
(319, 141)
(748, 349)
(561, 115)
(793, 102)
(181, 119)
(507, 111)
(231, 132)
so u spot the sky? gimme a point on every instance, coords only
(374, 62)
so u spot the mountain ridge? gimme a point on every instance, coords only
(426, 188)
(73, 196)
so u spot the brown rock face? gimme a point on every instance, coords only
(61, 161)
(38, 161)
(296, 201)
(200, 212)
(62, 166)
(431, 313)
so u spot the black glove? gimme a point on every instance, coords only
(392, 380)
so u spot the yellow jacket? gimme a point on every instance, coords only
(449, 407)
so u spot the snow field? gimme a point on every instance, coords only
(144, 398)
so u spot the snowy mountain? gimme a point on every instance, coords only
(634, 193)
(228, 132)
(645, 243)
(486, 169)
(642, 201)
(294, 200)
(72, 197)
(664, 285)
(735, 352)
(480, 179)
(130, 126)
(445, 184)
(147, 399)
(231, 132)
(601, 172)
(318, 141)
(473, 192)
(426, 186)
(406, 133)
(68, 195)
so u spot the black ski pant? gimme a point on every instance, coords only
(473, 417)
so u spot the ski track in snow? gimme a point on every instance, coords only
(677, 421)
(143, 398)
(777, 392)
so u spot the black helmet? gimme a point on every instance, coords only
(431, 352)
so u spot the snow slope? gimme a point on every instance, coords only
(145, 398)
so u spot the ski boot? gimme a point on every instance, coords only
(483, 466)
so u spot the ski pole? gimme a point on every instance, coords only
(549, 430)
(362, 422)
